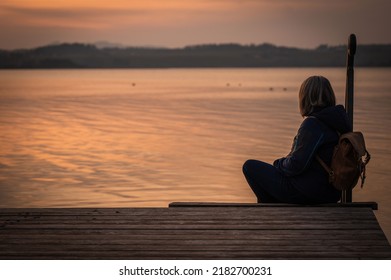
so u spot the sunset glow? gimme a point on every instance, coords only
(304, 23)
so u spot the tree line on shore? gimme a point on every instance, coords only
(77, 55)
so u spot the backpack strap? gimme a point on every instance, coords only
(363, 167)
(325, 166)
(321, 161)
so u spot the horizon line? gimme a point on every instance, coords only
(107, 45)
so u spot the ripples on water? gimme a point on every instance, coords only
(130, 138)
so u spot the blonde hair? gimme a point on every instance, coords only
(315, 91)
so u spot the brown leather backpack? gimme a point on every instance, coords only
(347, 164)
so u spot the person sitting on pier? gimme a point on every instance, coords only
(299, 177)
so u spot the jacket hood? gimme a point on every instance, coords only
(335, 117)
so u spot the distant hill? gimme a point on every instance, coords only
(212, 55)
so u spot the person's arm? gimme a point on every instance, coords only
(306, 143)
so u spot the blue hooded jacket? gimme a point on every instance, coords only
(317, 135)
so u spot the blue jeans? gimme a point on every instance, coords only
(271, 186)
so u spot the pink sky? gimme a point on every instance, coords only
(176, 23)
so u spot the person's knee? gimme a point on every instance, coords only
(248, 166)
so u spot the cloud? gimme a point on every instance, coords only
(67, 17)
(107, 16)
(68, 12)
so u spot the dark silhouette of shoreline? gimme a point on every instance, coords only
(79, 55)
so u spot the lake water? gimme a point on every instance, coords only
(135, 138)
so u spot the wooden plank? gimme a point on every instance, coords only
(195, 215)
(286, 241)
(196, 219)
(251, 249)
(365, 234)
(189, 211)
(373, 205)
(177, 210)
(223, 253)
(275, 226)
(197, 254)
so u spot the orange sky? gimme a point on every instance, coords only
(173, 23)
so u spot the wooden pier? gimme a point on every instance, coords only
(194, 231)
